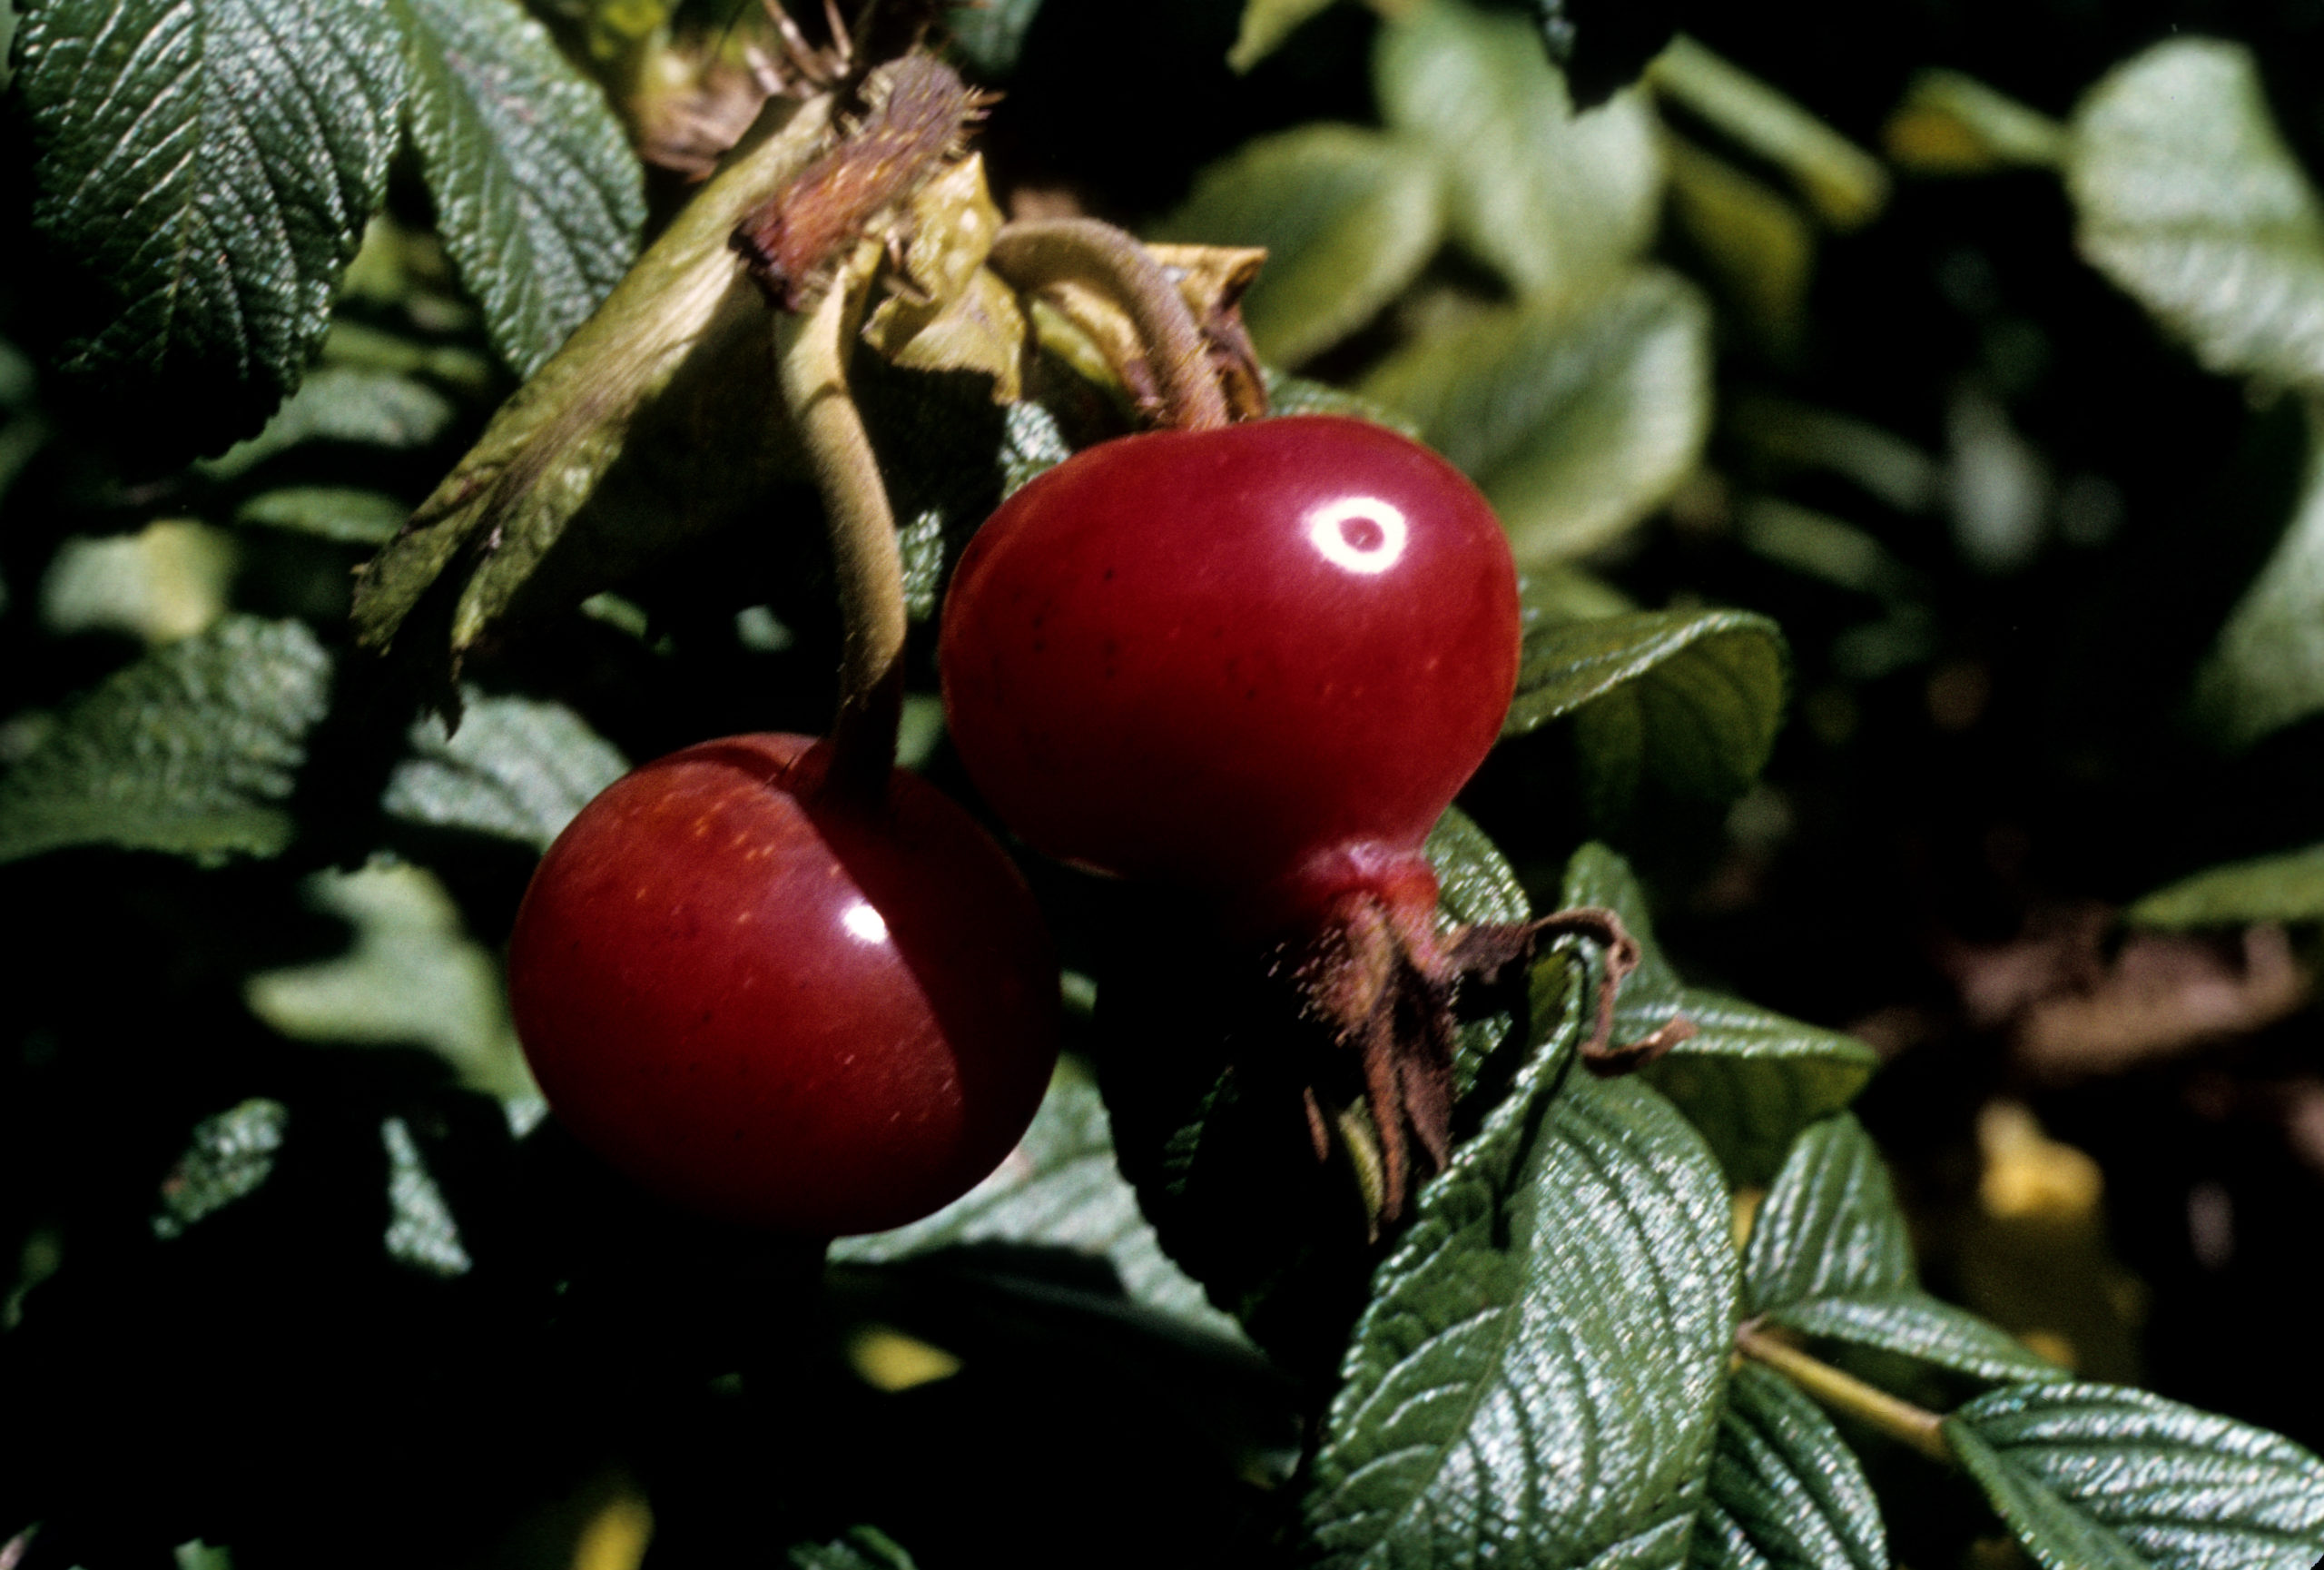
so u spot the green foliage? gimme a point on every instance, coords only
(1828, 1257)
(2097, 1475)
(537, 191)
(193, 750)
(515, 768)
(2279, 888)
(2267, 670)
(862, 1548)
(1465, 1424)
(1785, 1488)
(1750, 1081)
(212, 164)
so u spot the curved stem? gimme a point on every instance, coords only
(1917, 1427)
(1035, 253)
(812, 351)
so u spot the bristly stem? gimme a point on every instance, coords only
(1034, 254)
(1917, 1427)
(812, 349)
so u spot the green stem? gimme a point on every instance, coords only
(1917, 1427)
(812, 349)
(1037, 253)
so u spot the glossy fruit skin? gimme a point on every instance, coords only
(1234, 658)
(780, 1008)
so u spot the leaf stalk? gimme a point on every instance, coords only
(1916, 1427)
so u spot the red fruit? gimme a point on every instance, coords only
(1258, 659)
(771, 1004)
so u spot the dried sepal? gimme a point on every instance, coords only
(1093, 334)
(944, 312)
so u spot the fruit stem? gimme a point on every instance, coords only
(1916, 1427)
(810, 351)
(1037, 253)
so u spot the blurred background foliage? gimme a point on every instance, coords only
(1978, 346)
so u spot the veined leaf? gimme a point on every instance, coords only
(516, 767)
(537, 195)
(1749, 1080)
(1555, 201)
(212, 163)
(1298, 395)
(2267, 669)
(2280, 888)
(1828, 1255)
(192, 750)
(1785, 1488)
(1691, 697)
(2098, 1476)
(861, 1548)
(344, 403)
(1539, 1372)
(1060, 1188)
(1576, 416)
(2189, 200)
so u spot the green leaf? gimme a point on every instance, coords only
(192, 750)
(343, 403)
(2095, 1477)
(2266, 669)
(1298, 395)
(2279, 888)
(595, 465)
(1032, 444)
(1265, 25)
(1576, 417)
(1555, 201)
(1749, 1080)
(1785, 1488)
(537, 195)
(1828, 1255)
(1347, 217)
(1693, 698)
(353, 517)
(1059, 1188)
(212, 163)
(227, 1158)
(2189, 200)
(1538, 1374)
(518, 768)
(1847, 184)
(990, 33)
(861, 1548)
(412, 978)
(1474, 880)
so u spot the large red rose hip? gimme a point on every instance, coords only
(774, 1004)
(1234, 658)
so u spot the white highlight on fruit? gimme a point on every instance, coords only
(864, 923)
(1360, 533)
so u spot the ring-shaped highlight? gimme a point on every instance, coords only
(1327, 529)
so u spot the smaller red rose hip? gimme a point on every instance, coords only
(771, 1004)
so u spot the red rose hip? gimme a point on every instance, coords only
(1261, 657)
(774, 1004)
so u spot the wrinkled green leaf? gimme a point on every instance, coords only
(1474, 882)
(537, 195)
(192, 750)
(596, 464)
(1555, 201)
(413, 977)
(1060, 1188)
(226, 1158)
(2098, 1476)
(1347, 217)
(353, 517)
(1749, 1080)
(1846, 183)
(2279, 888)
(1575, 418)
(1786, 1491)
(2189, 200)
(2267, 669)
(1693, 698)
(1265, 26)
(518, 768)
(861, 1548)
(1538, 1375)
(421, 1232)
(1032, 444)
(212, 163)
(1298, 395)
(1828, 1255)
(343, 403)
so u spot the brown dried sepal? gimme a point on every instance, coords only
(916, 118)
(1387, 982)
(1095, 335)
